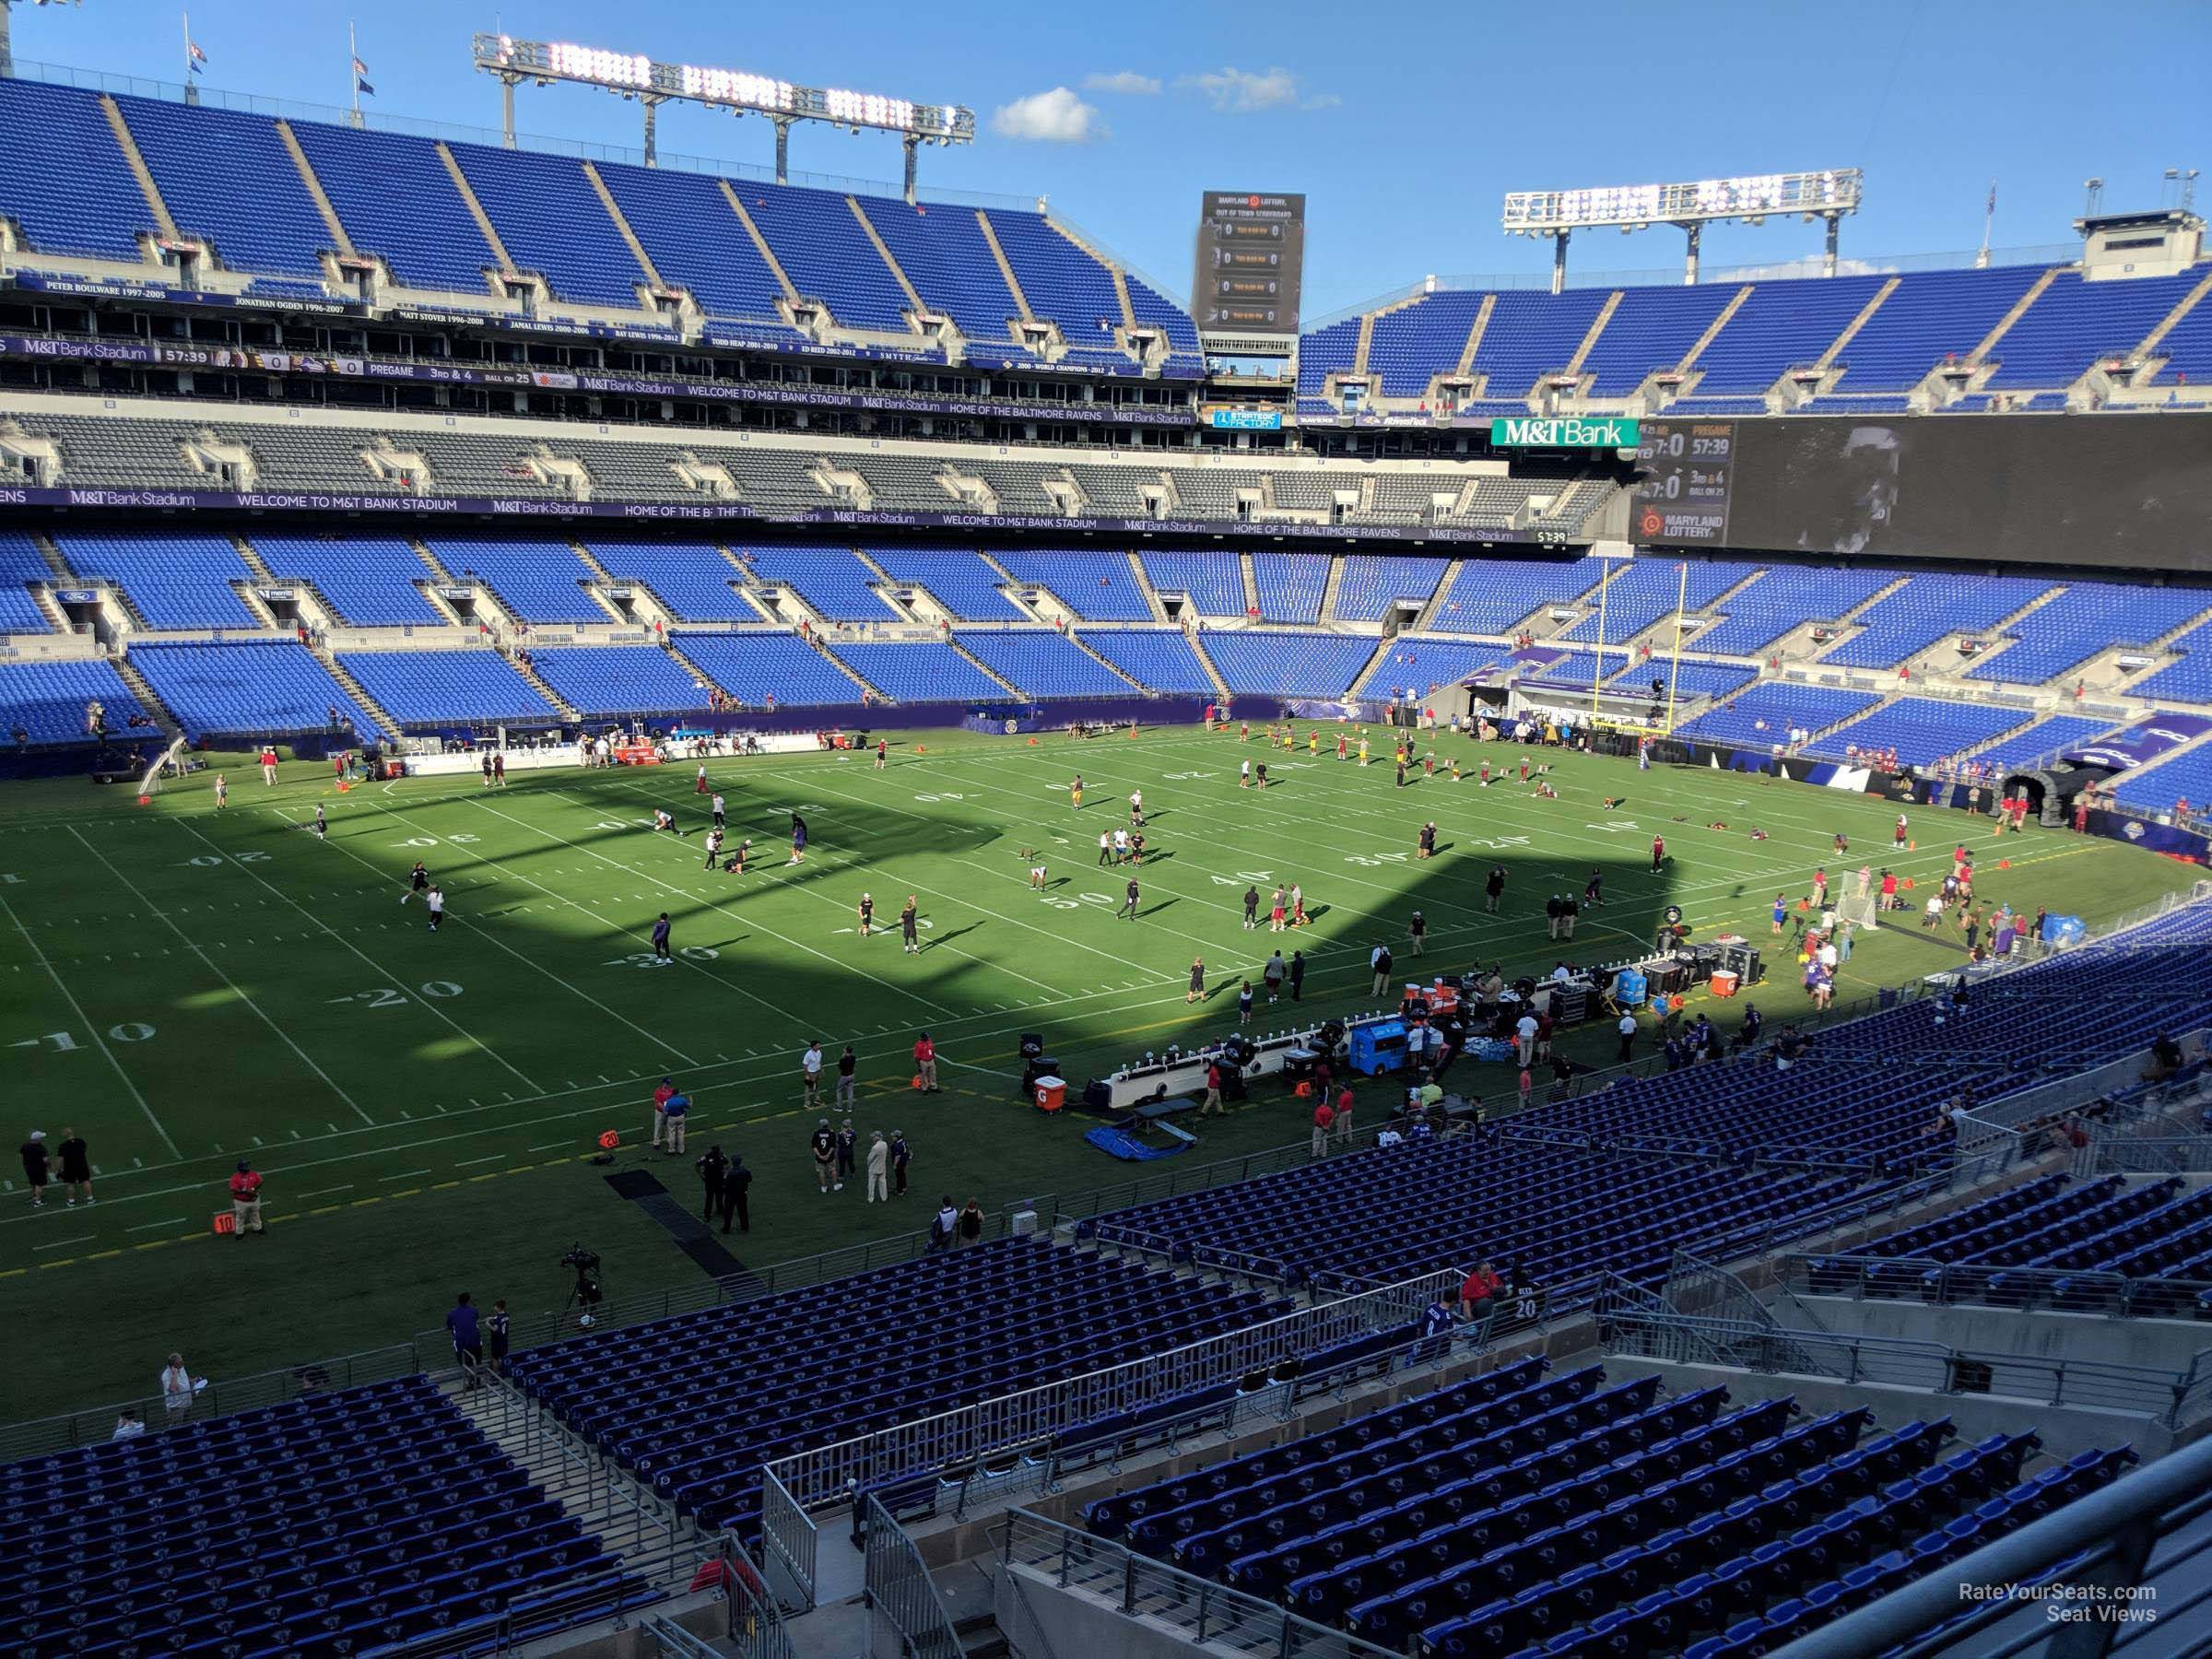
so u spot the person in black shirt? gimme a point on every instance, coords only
(498, 1327)
(1251, 908)
(1594, 890)
(1298, 976)
(34, 1156)
(824, 1144)
(848, 1144)
(734, 1184)
(1129, 903)
(847, 1063)
(712, 1168)
(909, 922)
(76, 1167)
(902, 1155)
(868, 914)
(1493, 888)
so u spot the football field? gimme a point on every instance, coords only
(188, 986)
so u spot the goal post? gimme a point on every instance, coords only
(1659, 722)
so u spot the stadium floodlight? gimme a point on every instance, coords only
(1752, 198)
(740, 92)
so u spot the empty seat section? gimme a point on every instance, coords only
(1763, 716)
(1291, 585)
(1928, 608)
(1922, 730)
(963, 582)
(919, 672)
(1287, 663)
(47, 701)
(1324, 352)
(1649, 330)
(1409, 346)
(1783, 325)
(1061, 281)
(690, 231)
(21, 564)
(1643, 591)
(228, 177)
(827, 255)
(1531, 335)
(2074, 322)
(63, 177)
(551, 221)
(1932, 316)
(539, 580)
(262, 688)
(2046, 737)
(2088, 618)
(941, 249)
(447, 687)
(396, 200)
(1373, 584)
(832, 581)
(1784, 598)
(2187, 348)
(1490, 596)
(1155, 309)
(692, 579)
(1419, 663)
(761, 669)
(1213, 581)
(1044, 665)
(174, 580)
(371, 580)
(2189, 679)
(1100, 587)
(387, 1520)
(619, 679)
(2185, 777)
(1158, 659)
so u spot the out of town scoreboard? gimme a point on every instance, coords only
(1251, 256)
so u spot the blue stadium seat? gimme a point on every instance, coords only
(762, 670)
(600, 681)
(46, 701)
(261, 689)
(447, 687)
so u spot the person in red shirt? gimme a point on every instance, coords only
(1478, 1291)
(245, 1200)
(1325, 1117)
(926, 1063)
(1658, 853)
(1344, 1115)
(1889, 890)
(1213, 1091)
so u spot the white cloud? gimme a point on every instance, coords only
(1322, 100)
(1127, 82)
(1054, 117)
(1245, 91)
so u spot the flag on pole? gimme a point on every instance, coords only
(360, 78)
(198, 57)
(1992, 206)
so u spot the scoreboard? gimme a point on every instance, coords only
(1685, 474)
(1251, 262)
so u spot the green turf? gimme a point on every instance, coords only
(186, 985)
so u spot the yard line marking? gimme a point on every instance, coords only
(98, 1041)
(62, 1244)
(436, 1011)
(466, 1162)
(548, 1145)
(483, 858)
(149, 1225)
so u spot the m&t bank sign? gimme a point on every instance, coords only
(1565, 431)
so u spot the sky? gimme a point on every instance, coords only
(1403, 123)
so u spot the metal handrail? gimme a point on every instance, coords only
(2100, 1541)
(1968, 1283)
(899, 1592)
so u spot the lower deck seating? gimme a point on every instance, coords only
(258, 689)
(919, 672)
(46, 702)
(740, 1386)
(768, 670)
(1288, 663)
(1046, 664)
(438, 687)
(1160, 659)
(332, 1523)
(619, 679)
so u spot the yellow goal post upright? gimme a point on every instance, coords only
(1626, 712)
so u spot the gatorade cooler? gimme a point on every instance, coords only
(1627, 987)
(1723, 982)
(1051, 1093)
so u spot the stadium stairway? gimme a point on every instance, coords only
(539, 684)
(883, 251)
(1333, 582)
(1221, 689)
(321, 650)
(1251, 585)
(646, 607)
(1847, 629)
(1376, 661)
(144, 691)
(1720, 320)
(1101, 662)
(139, 170)
(1465, 366)
(982, 667)
(1005, 266)
(1144, 586)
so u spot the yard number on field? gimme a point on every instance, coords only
(62, 1043)
(385, 997)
